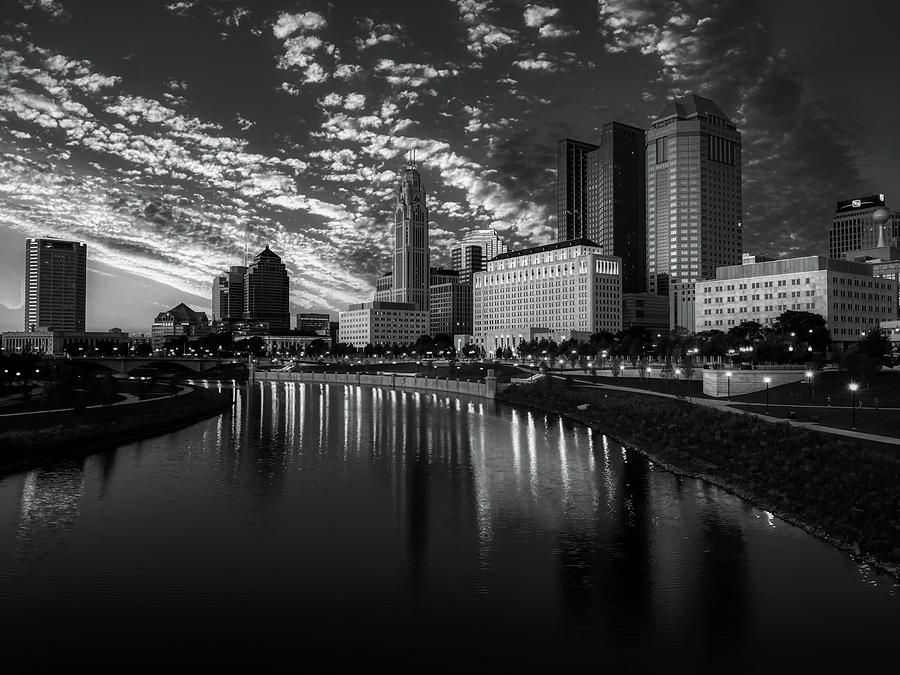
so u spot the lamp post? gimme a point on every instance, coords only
(648, 379)
(809, 376)
(728, 380)
(767, 380)
(853, 388)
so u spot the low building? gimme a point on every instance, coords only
(373, 323)
(884, 261)
(845, 293)
(290, 344)
(646, 310)
(681, 305)
(59, 342)
(180, 321)
(557, 288)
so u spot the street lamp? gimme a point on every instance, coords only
(728, 380)
(809, 376)
(767, 380)
(853, 388)
(648, 379)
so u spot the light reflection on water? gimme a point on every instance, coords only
(412, 522)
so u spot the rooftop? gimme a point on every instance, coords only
(547, 247)
(691, 106)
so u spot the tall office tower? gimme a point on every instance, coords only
(616, 201)
(466, 259)
(228, 294)
(55, 284)
(571, 188)
(266, 292)
(693, 193)
(411, 254)
(854, 226)
(490, 242)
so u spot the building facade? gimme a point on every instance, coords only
(228, 294)
(451, 308)
(180, 321)
(571, 188)
(267, 292)
(645, 310)
(411, 252)
(682, 296)
(55, 284)
(466, 259)
(58, 342)
(372, 323)
(616, 201)
(693, 155)
(845, 293)
(854, 226)
(488, 239)
(312, 322)
(884, 261)
(557, 288)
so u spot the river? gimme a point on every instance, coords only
(343, 525)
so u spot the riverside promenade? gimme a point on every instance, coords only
(729, 406)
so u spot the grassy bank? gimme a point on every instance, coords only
(29, 439)
(833, 488)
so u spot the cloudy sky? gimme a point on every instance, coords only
(168, 134)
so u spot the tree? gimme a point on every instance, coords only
(804, 329)
(866, 357)
(687, 367)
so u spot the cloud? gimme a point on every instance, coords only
(483, 36)
(288, 24)
(537, 15)
(52, 8)
(378, 33)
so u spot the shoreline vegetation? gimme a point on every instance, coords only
(27, 440)
(839, 491)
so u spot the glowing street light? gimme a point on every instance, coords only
(728, 374)
(853, 388)
(809, 376)
(767, 380)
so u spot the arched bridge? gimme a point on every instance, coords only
(127, 364)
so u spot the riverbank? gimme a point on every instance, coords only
(29, 439)
(839, 491)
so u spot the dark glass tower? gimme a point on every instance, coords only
(693, 155)
(616, 203)
(266, 292)
(571, 188)
(55, 284)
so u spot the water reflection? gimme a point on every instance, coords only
(335, 511)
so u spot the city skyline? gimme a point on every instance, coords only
(155, 134)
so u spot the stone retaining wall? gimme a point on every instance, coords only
(715, 382)
(485, 389)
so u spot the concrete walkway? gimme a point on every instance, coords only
(727, 406)
(128, 400)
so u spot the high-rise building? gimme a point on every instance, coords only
(411, 253)
(228, 295)
(451, 308)
(55, 284)
(267, 292)
(467, 259)
(555, 289)
(693, 155)
(616, 201)
(854, 226)
(571, 188)
(488, 239)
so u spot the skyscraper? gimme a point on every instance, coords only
(466, 259)
(488, 239)
(571, 188)
(228, 294)
(266, 292)
(411, 253)
(854, 226)
(693, 154)
(616, 201)
(55, 284)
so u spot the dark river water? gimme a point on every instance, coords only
(329, 526)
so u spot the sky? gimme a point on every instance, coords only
(172, 136)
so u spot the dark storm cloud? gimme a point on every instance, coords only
(797, 160)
